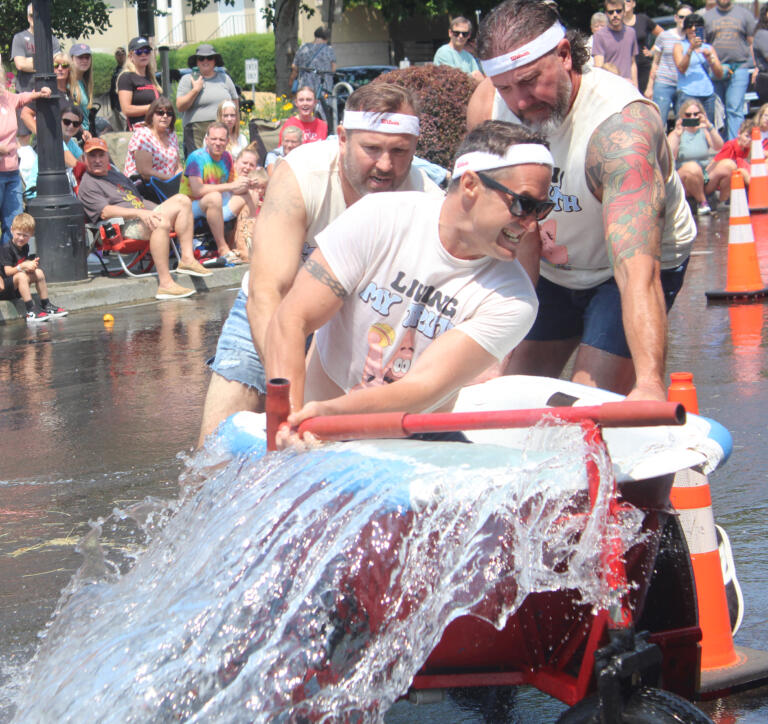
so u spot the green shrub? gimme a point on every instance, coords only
(235, 50)
(443, 93)
(103, 66)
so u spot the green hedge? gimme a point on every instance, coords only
(103, 66)
(235, 50)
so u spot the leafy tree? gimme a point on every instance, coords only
(70, 19)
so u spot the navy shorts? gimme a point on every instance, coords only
(593, 315)
(236, 357)
(8, 292)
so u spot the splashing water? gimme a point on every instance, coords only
(313, 586)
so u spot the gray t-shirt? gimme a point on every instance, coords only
(619, 48)
(24, 44)
(215, 90)
(727, 31)
(761, 49)
(114, 189)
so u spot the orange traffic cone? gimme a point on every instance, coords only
(743, 277)
(758, 183)
(691, 497)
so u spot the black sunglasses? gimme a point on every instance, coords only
(68, 122)
(462, 33)
(614, 12)
(142, 51)
(164, 113)
(519, 205)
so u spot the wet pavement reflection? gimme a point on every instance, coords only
(93, 416)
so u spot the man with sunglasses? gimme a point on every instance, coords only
(616, 43)
(454, 52)
(413, 296)
(615, 248)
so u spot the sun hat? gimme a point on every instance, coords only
(206, 50)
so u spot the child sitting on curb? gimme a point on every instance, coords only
(20, 270)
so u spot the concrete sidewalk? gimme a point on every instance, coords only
(102, 291)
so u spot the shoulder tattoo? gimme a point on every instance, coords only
(319, 272)
(624, 170)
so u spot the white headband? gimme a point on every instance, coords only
(526, 53)
(381, 122)
(515, 156)
(228, 104)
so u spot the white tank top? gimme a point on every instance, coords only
(574, 252)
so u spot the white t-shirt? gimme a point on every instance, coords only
(404, 290)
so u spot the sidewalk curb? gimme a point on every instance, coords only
(100, 291)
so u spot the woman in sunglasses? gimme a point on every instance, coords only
(153, 151)
(693, 142)
(696, 61)
(137, 86)
(81, 79)
(62, 71)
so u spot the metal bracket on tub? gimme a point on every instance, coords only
(625, 664)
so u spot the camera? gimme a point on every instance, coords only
(691, 122)
(31, 257)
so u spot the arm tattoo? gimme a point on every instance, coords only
(319, 272)
(624, 164)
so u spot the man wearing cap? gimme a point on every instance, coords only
(615, 249)
(23, 54)
(454, 52)
(216, 194)
(200, 93)
(413, 296)
(310, 188)
(106, 193)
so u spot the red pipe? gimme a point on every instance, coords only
(398, 424)
(278, 407)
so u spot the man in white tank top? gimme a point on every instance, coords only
(307, 191)
(615, 248)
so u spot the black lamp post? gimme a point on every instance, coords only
(59, 223)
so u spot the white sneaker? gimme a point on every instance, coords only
(703, 209)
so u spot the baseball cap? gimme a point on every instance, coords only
(95, 143)
(137, 43)
(80, 49)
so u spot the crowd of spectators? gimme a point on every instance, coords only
(693, 71)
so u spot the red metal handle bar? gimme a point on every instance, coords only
(399, 424)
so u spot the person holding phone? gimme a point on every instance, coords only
(693, 142)
(696, 61)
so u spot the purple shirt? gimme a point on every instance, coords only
(618, 48)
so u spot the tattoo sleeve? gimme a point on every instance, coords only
(624, 164)
(319, 272)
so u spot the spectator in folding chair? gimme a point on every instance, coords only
(105, 193)
(217, 196)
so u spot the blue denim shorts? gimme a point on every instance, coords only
(594, 314)
(236, 358)
(226, 212)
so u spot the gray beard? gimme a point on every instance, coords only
(560, 111)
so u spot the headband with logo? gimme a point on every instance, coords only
(381, 122)
(515, 156)
(526, 53)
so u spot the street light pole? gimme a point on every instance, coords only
(59, 222)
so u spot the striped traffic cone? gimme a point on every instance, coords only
(758, 175)
(691, 497)
(743, 277)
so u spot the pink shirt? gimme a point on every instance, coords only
(165, 158)
(9, 102)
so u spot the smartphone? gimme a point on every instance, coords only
(31, 257)
(699, 33)
(195, 73)
(691, 122)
